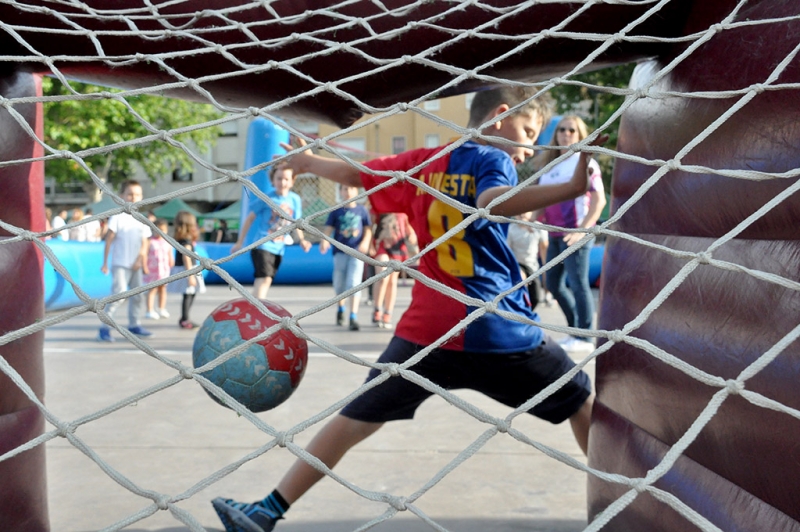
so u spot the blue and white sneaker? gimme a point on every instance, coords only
(140, 332)
(244, 517)
(104, 335)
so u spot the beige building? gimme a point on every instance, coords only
(426, 128)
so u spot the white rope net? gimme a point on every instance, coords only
(152, 22)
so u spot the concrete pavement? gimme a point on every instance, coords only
(178, 439)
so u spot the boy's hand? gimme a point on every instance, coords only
(582, 176)
(306, 245)
(323, 246)
(236, 247)
(104, 269)
(298, 163)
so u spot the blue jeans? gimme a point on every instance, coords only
(348, 271)
(576, 302)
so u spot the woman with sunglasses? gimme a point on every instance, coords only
(576, 301)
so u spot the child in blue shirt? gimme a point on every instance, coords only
(267, 257)
(349, 225)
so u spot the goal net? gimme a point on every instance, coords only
(697, 324)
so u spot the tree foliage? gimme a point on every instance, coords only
(601, 104)
(79, 124)
(595, 106)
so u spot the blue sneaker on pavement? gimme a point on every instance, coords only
(138, 331)
(243, 517)
(104, 335)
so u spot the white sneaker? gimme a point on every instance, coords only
(575, 344)
(163, 313)
(152, 316)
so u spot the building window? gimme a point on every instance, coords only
(180, 175)
(432, 105)
(230, 128)
(431, 140)
(398, 145)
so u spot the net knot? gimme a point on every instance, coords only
(395, 265)
(398, 503)
(758, 88)
(734, 387)
(490, 306)
(503, 426)
(482, 212)
(393, 369)
(616, 336)
(64, 154)
(66, 428)
(639, 485)
(672, 164)
(162, 502)
(254, 111)
(283, 439)
(319, 144)
(704, 257)
(163, 135)
(618, 37)
(329, 87)
(286, 323)
(186, 372)
(716, 28)
(97, 306)
(27, 235)
(399, 176)
(403, 106)
(546, 33)
(206, 263)
(473, 133)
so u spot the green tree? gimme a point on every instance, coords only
(595, 106)
(80, 124)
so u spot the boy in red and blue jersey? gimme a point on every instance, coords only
(508, 360)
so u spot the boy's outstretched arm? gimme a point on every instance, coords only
(333, 169)
(540, 196)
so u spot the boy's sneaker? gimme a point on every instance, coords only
(186, 324)
(104, 335)
(138, 331)
(576, 344)
(354, 324)
(163, 313)
(153, 315)
(339, 317)
(243, 517)
(386, 321)
(376, 317)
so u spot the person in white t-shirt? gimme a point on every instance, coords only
(575, 300)
(127, 242)
(60, 220)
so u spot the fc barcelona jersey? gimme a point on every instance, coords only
(475, 261)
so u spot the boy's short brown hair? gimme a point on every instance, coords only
(274, 169)
(125, 185)
(487, 101)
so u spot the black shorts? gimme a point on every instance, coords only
(265, 263)
(511, 379)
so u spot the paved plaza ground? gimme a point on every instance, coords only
(178, 439)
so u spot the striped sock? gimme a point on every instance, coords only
(276, 503)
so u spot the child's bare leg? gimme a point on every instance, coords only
(355, 301)
(391, 292)
(580, 422)
(329, 445)
(381, 295)
(261, 287)
(151, 298)
(162, 297)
